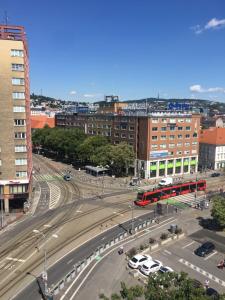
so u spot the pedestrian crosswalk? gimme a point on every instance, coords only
(55, 194)
(189, 199)
(47, 177)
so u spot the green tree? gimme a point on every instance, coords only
(218, 210)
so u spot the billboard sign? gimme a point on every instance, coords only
(178, 106)
(158, 154)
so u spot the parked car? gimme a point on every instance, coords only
(213, 294)
(166, 269)
(150, 266)
(215, 175)
(138, 260)
(67, 177)
(205, 249)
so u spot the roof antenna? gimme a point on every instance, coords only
(6, 18)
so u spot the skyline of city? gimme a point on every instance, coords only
(135, 51)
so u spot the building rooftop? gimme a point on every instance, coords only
(11, 32)
(213, 135)
(41, 120)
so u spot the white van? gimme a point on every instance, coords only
(166, 181)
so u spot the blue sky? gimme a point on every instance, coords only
(84, 49)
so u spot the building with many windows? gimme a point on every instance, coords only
(15, 137)
(212, 148)
(165, 143)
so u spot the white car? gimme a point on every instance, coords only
(150, 266)
(166, 269)
(138, 260)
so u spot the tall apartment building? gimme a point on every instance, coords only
(165, 143)
(15, 133)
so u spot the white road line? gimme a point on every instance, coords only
(15, 259)
(201, 271)
(79, 211)
(188, 245)
(166, 222)
(212, 254)
(69, 261)
(168, 252)
(117, 213)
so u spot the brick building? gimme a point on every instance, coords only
(212, 148)
(15, 138)
(165, 143)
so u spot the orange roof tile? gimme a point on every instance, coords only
(41, 121)
(212, 135)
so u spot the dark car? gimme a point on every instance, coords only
(67, 177)
(205, 249)
(215, 175)
(213, 294)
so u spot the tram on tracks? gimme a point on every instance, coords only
(150, 196)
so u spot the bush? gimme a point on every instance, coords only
(152, 241)
(132, 252)
(164, 236)
(178, 230)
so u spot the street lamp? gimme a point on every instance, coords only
(2, 199)
(132, 217)
(45, 274)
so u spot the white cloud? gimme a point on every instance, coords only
(197, 88)
(212, 24)
(89, 96)
(73, 93)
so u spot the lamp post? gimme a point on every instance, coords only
(132, 216)
(2, 212)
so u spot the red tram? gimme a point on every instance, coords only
(160, 193)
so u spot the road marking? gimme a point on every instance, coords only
(69, 261)
(47, 225)
(166, 222)
(210, 255)
(15, 259)
(203, 272)
(188, 245)
(79, 211)
(117, 213)
(168, 252)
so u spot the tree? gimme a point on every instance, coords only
(218, 210)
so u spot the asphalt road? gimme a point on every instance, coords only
(61, 268)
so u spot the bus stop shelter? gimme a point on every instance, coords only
(96, 171)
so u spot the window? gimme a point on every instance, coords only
(172, 128)
(18, 95)
(20, 162)
(123, 135)
(195, 134)
(181, 120)
(188, 120)
(163, 146)
(188, 128)
(18, 53)
(131, 136)
(20, 135)
(20, 174)
(154, 138)
(172, 120)
(187, 136)
(18, 108)
(117, 126)
(179, 136)
(187, 144)
(154, 128)
(171, 145)
(179, 152)
(19, 122)
(164, 120)
(180, 128)
(170, 153)
(18, 188)
(17, 67)
(155, 120)
(21, 148)
(163, 128)
(131, 128)
(154, 146)
(123, 127)
(172, 137)
(163, 137)
(116, 134)
(179, 144)
(186, 152)
(18, 81)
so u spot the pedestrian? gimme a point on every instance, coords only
(176, 209)
(120, 251)
(206, 284)
(221, 264)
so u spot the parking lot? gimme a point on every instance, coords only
(180, 256)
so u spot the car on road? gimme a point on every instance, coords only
(150, 266)
(215, 175)
(138, 260)
(205, 249)
(67, 177)
(212, 294)
(165, 269)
